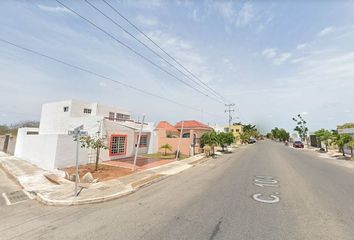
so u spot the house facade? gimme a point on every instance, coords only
(184, 135)
(236, 129)
(50, 146)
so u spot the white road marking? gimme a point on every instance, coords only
(266, 181)
(265, 185)
(271, 199)
(6, 199)
(265, 177)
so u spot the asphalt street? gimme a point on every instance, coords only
(261, 191)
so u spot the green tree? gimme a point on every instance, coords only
(301, 127)
(324, 136)
(351, 146)
(166, 147)
(94, 143)
(340, 140)
(281, 134)
(211, 139)
(269, 135)
(225, 138)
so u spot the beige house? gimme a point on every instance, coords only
(236, 130)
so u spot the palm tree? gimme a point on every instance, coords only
(351, 146)
(211, 139)
(166, 147)
(340, 140)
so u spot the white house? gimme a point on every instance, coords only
(50, 146)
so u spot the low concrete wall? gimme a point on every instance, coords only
(11, 144)
(48, 151)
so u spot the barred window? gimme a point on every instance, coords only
(111, 116)
(118, 144)
(120, 116)
(87, 110)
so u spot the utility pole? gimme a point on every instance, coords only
(179, 141)
(230, 110)
(138, 145)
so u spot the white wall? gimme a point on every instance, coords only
(48, 151)
(38, 149)
(66, 152)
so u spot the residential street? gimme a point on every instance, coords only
(213, 200)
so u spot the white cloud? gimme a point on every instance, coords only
(301, 46)
(325, 31)
(269, 53)
(298, 60)
(56, 9)
(277, 58)
(304, 113)
(197, 16)
(281, 58)
(147, 21)
(245, 15)
(103, 84)
(239, 18)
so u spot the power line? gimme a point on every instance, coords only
(149, 48)
(99, 75)
(133, 50)
(157, 45)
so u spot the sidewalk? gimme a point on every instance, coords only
(32, 179)
(332, 154)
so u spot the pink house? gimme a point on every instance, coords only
(191, 133)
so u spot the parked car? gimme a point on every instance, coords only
(298, 144)
(251, 140)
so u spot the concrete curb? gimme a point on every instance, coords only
(73, 202)
(130, 188)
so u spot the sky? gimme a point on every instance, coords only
(272, 59)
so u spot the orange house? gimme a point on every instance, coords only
(191, 131)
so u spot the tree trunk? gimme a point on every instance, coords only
(97, 158)
(343, 151)
(326, 147)
(165, 151)
(351, 152)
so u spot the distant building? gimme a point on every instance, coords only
(236, 129)
(51, 147)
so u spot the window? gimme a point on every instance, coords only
(143, 140)
(118, 145)
(87, 110)
(237, 130)
(111, 116)
(66, 109)
(186, 135)
(232, 130)
(120, 116)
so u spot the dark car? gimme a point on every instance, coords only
(298, 144)
(251, 140)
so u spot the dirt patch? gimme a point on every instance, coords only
(103, 173)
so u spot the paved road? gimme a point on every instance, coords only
(6, 185)
(213, 200)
